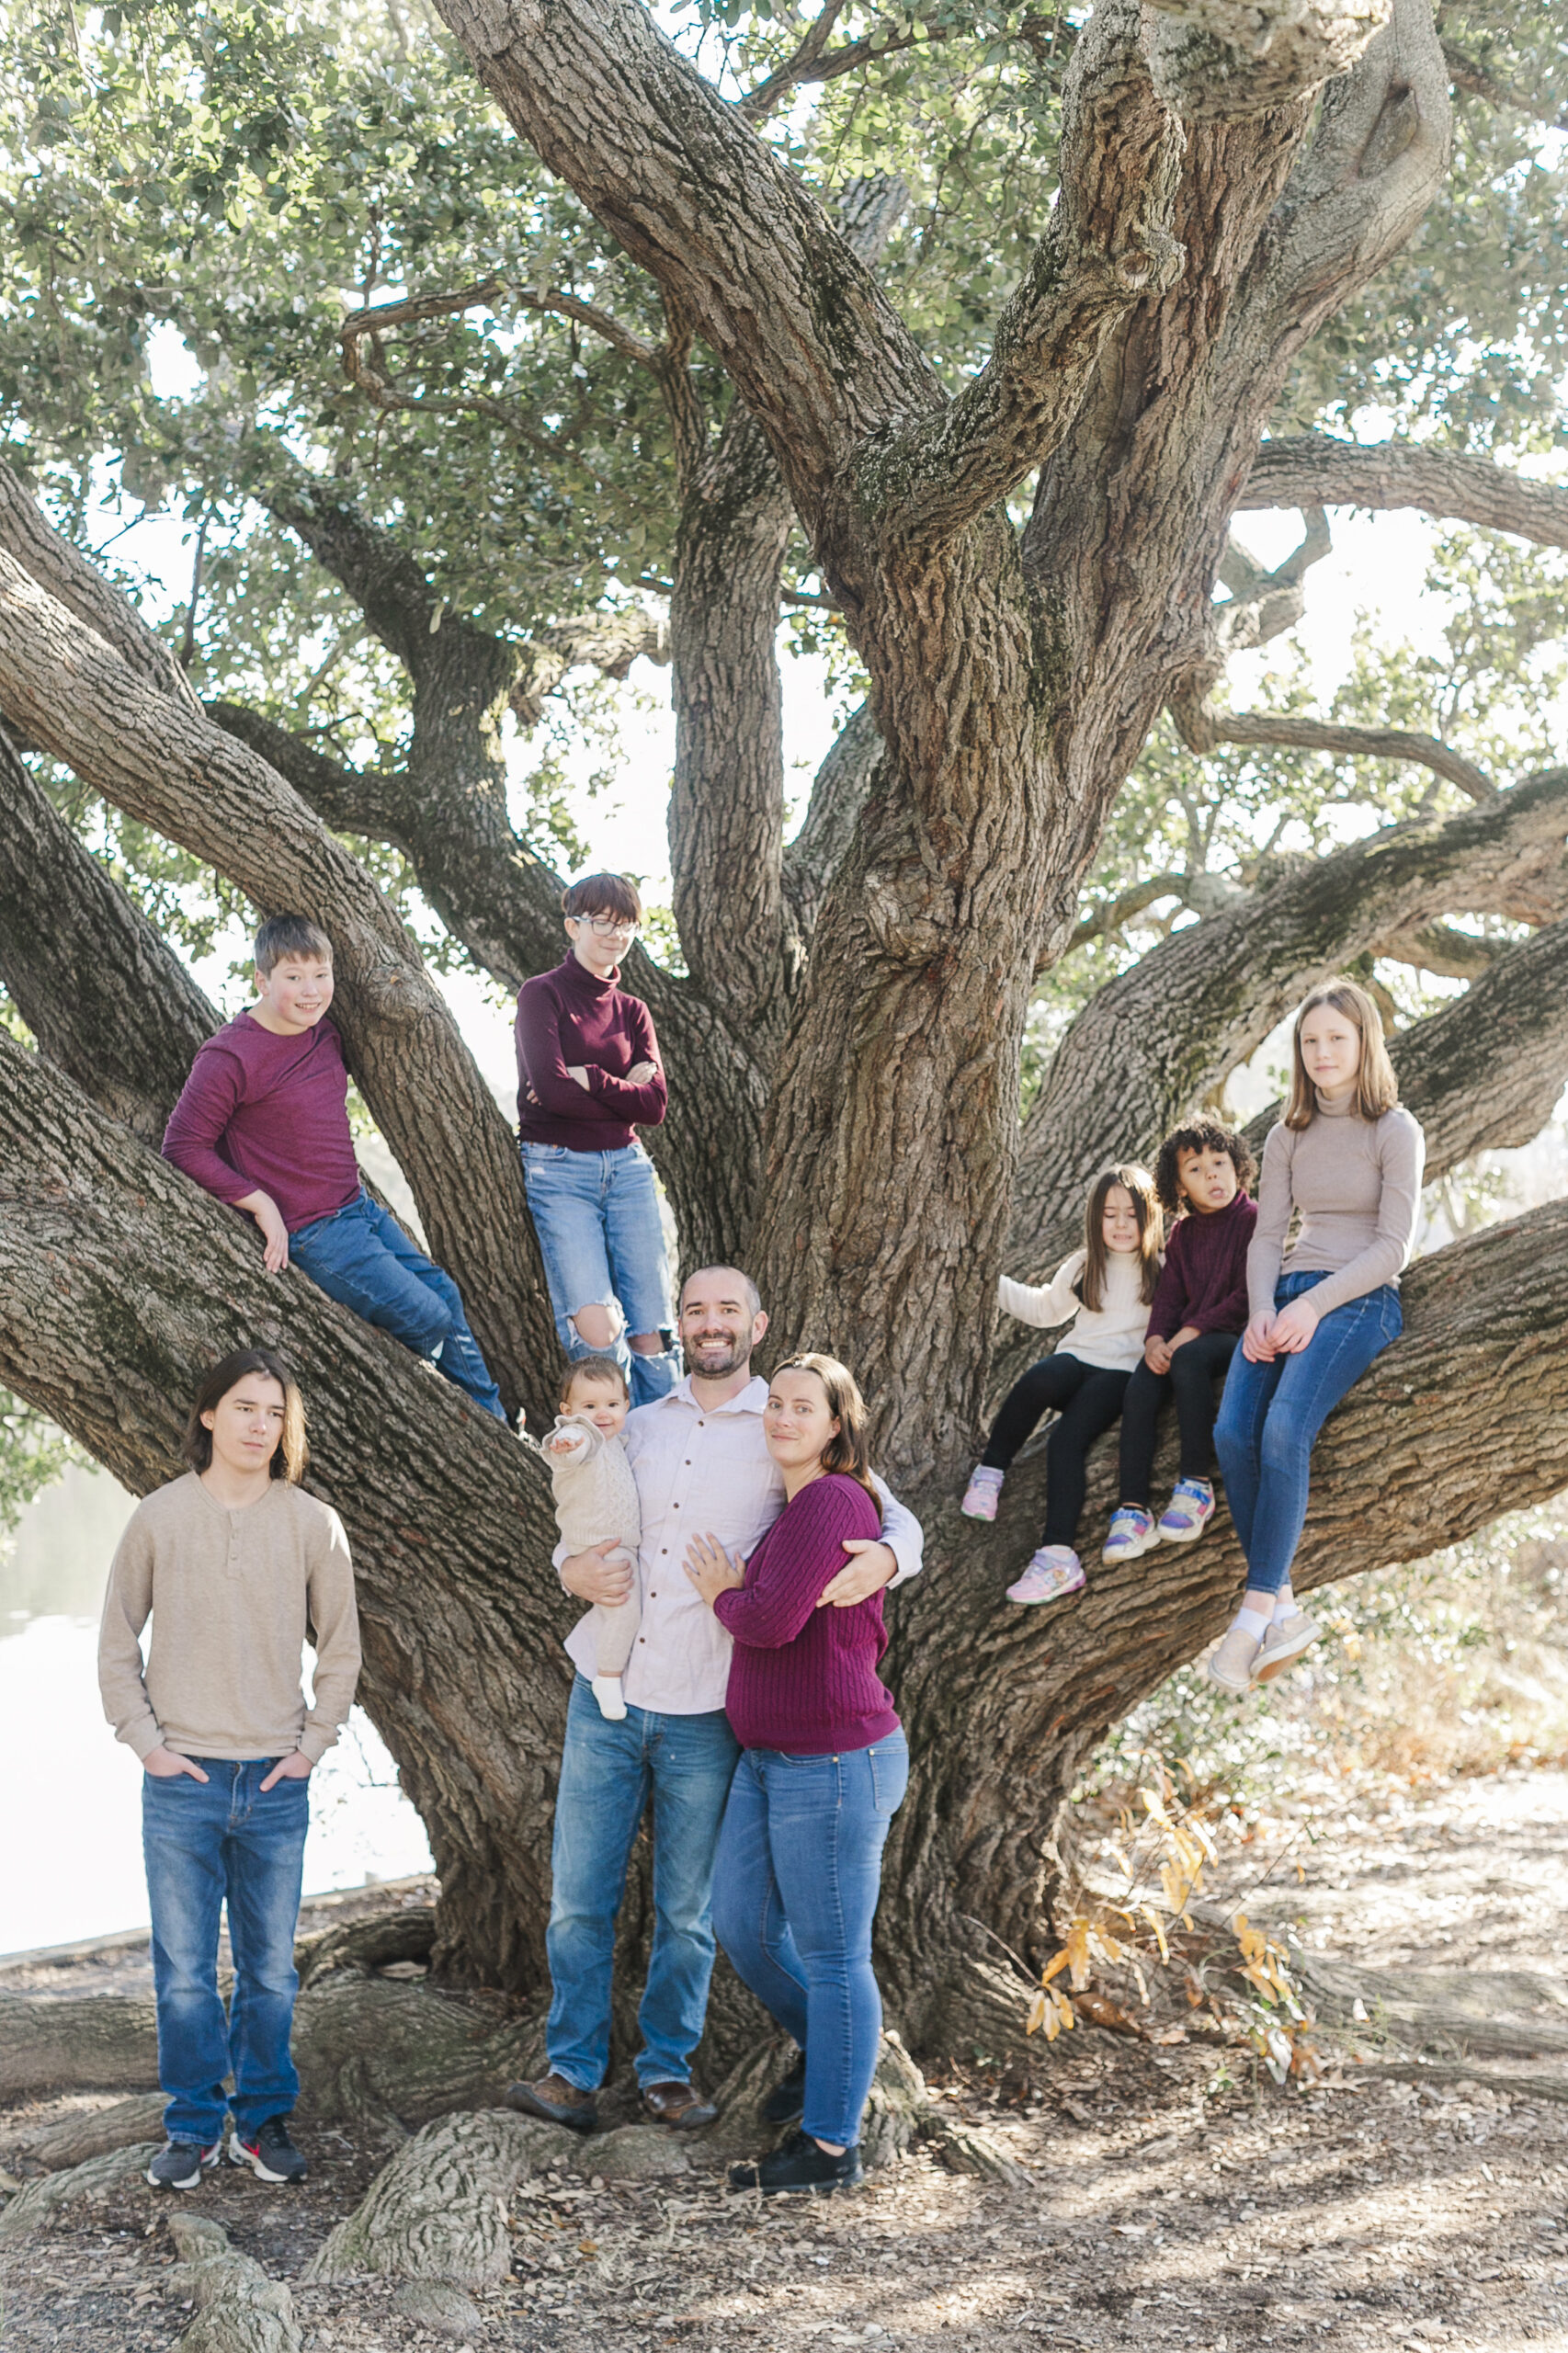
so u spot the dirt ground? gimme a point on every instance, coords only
(1176, 2195)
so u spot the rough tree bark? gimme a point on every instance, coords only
(69, 938)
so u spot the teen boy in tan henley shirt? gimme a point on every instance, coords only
(237, 1567)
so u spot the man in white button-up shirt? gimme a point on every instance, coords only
(702, 1468)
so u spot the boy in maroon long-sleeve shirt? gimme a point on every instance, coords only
(1198, 1313)
(263, 1122)
(589, 1075)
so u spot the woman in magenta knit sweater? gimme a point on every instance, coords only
(823, 1771)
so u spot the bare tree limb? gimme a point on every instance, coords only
(1447, 483)
(1106, 246)
(609, 642)
(81, 587)
(1202, 728)
(109, 1002)
(846, 777)
(1439, 948)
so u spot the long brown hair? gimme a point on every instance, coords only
(845, 1450)
(1090, 1285)
(1377, 1089)
(291, 1455)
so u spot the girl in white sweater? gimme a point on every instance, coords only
(1104, 1291)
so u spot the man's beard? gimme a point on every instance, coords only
(737, 1354)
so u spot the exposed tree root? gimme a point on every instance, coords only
(367, 1945)
(370, 2050)
(36, 2202)
(437, 2305)
(1459, 2011)
(238, 2308)
(1454, 2071)
(74, 2139)
(438, 2212)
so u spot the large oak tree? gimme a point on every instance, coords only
(966, 362)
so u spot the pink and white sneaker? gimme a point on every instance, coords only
(1054, 1571)
(1190, 1509)
(983, 1494)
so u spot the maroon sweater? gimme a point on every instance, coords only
(567, 1016)
(266, 1114)
(1204, 1279)
(801, 1678)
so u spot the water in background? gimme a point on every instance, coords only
(71, 1829)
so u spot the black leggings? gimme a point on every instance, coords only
(1088, 1399)
(1194, 1370)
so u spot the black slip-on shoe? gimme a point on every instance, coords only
(799, 2163)
(786, 2103)
(556, 2101)
(180, 2164)
(268, 2152)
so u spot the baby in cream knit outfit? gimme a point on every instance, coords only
(595, 1500)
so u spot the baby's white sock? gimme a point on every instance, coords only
(607, 1692)
(1253, 1622)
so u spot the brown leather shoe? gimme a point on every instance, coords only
(680, 2106)
(556, 2101)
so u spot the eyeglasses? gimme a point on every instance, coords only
(607, 927)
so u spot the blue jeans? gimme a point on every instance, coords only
(361, 1256)
(204, 1841)
(799, 1870)
(600, 1235)
(607, 1772)
(1271, 1413)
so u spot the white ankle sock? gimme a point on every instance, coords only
(1284, 1605)
(1253, 1622)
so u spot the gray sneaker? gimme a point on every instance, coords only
(180, 2164)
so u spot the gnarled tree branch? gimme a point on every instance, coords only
(108, 1001)
(1202, 727)
(1314, 468)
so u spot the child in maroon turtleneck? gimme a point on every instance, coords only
(588, 1075)
(1199, 1314)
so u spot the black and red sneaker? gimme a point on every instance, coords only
(268, 2152)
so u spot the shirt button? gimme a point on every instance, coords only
(652, 1597)
(642, 1638)
(664, 1549)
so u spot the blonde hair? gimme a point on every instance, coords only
(845, 1450)
(1377, 1089)
(1136, 1180)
